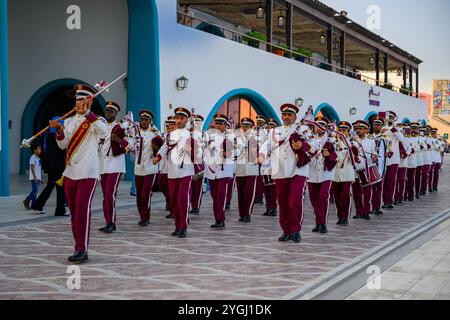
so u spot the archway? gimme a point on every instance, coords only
(370, 116)
(327, 111)
(406, 120)
(53, 99)
(249, 101)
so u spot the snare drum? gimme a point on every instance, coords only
(369, 178)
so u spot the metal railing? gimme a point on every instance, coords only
(227, 33)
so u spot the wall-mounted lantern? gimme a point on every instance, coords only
(299, 102)
(182, 83)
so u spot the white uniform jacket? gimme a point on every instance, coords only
(85, 162)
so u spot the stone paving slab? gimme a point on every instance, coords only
(244, 261)
(424, 274)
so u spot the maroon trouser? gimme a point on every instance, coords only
(377, 193)
(342, 198)
(290, 203)
(79, 194)
(436, 169)
(270, 194)
(163, 186)
(362, 198)
(110, 184)
(425, 176)
(230, 188)
(400, 187)
(144, 186)
(411, 174)
(259, 188)
(180, 190)
(418, 179)
(219, 189)
(246, 187)
(389, 184)
(196, 193)
(319, 194)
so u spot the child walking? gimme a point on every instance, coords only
(35, 176)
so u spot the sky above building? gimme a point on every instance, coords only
(419, 27)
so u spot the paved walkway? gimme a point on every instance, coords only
(423, 274)
(245, 261)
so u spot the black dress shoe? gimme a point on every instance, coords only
(378, 212)
(218, 225)
(109, 228)
(410, 199)
(259, 201)
(241, 219)
(323, 228)
(273, 213)
(143, 223)
(246, 219)
(267, 213)
(390, 206)
(344, 222)
(61, 214)
(78, 257)
(195, 212)
(169, 216)
(367, 217)
(357, 217)
(227, 207)
(396, 203)
(435, 190)
(316, 229)
(182, 233)
(114, 227)
(339, 222)
(384, 206)
(175, 233)
(296, 237)
(417, 196)
(285, 237)
(167, 207)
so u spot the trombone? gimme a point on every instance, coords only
(26, 143)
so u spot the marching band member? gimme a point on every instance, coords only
(145, 170)
(362, 195)
(394, 138)
(321, 174)
(266, 170)
(290, 170)
(261, 137)
(438, 149)
(178, 152)
(162, 175)
(420, 157)
(405, 151)
(427, 160)
(230, 185)
(197, 181)
(248, 163)
(112, 150)
(382, 152)
(80, 135)
(219, 166)
(345, 174)
(413, 161)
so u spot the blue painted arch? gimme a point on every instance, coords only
(328, 112)
(32, 108)
(261, 105)
(370, 115)
(406, 120)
